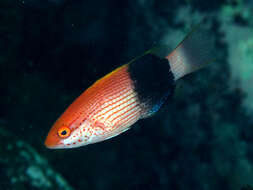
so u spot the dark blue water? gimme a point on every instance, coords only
(51, 51)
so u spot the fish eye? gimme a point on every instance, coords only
(64, 132)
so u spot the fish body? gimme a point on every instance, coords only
(131, 92)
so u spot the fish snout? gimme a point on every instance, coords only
(52, 141)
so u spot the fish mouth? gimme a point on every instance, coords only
(52, 147)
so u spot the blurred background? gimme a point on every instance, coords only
(52, 50)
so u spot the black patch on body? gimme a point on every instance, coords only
(153, 80)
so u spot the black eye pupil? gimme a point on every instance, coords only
(64, 132)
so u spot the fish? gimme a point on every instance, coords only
(133, 91)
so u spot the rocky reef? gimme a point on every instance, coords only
(247, 188)
(22, 168)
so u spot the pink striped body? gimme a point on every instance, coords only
(115, 111)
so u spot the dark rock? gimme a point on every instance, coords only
(247, 187)
(22, 168)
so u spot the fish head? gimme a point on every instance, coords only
(63, 136)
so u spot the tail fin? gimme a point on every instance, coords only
(193, 53)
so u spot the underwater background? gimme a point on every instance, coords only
(52, 50)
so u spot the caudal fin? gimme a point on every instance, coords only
(193, 53)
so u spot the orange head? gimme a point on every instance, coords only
(56, 135)
(72, 129)
(68, 136)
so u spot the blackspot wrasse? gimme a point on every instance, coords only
(131, 92)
